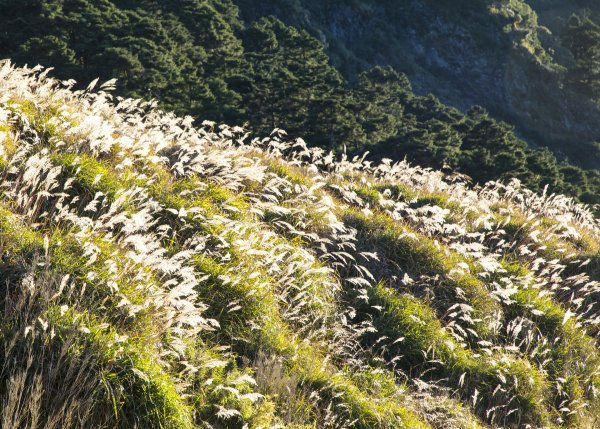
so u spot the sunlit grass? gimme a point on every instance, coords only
(177, 277)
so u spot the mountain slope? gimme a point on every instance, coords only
(159, 275)
(497, 54)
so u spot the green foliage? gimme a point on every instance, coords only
(582, 37)
(294, 87)
(152, 58)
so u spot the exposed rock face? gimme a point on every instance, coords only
(489, 53)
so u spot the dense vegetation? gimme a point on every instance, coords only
(509, 56)
(197, 57)
(158, 275)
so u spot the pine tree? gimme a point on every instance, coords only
(582, 37)
(382, 93)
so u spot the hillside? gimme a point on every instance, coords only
(513, 57)
(201, 58)
(164, 276)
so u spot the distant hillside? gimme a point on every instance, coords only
(198, 57)
(509, 56)
(157, 275)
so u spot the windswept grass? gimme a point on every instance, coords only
(158, 275)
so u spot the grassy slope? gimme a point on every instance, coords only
(163, 276)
